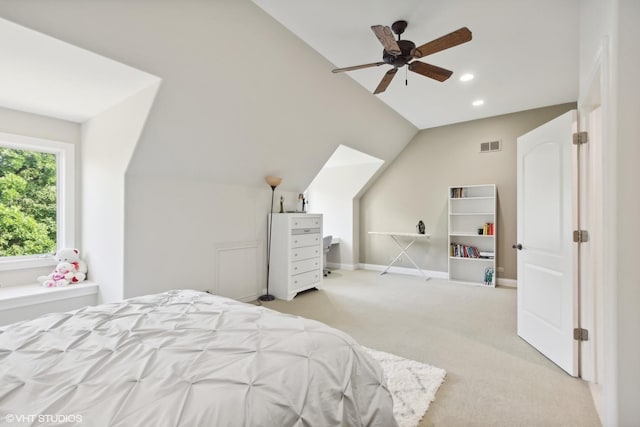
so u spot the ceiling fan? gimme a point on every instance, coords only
(403, 52)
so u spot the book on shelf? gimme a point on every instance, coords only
(457, 192)
(487, 230)
(463, 251)
(487, 254)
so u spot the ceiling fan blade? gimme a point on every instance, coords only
(455, 38)
(357, 67)
(431, 71)
(385, 36)
(385, 81)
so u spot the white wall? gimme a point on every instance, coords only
(241, 98)
(611, 26)
(628, 213)
(196, 218)
(415, 187)
(19, 123)
(333, 192)
(33, 310)
(108, 142)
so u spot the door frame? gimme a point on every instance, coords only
(597, 297)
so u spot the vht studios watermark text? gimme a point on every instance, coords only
(43, 418)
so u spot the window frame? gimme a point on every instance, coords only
(65, 197)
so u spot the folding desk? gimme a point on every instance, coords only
(413, 237)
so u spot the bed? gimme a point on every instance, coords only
(187, 358)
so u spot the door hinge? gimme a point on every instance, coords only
(580, 236)
(580, 334)
(580, 138)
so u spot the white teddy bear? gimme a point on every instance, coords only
(73, 256)
(77, 269)
(61, 276)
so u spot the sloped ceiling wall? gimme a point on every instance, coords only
(241, 96)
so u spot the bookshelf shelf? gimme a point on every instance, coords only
(470, 259)
(472, 231)
(472, 213)
(470, 198)
(481, 236)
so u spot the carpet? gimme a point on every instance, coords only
(412, 384)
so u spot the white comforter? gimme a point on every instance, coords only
(186, 358)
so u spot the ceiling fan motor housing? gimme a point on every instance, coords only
(398, 27)
(406, 46)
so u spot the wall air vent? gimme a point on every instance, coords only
(486, 147)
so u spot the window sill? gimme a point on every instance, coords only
(21, 263)
(20, 296)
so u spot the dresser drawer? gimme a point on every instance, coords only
(300, 240)
(313, 222)
(305, 231)
(299, 267)
(301, 280)
(306, 252)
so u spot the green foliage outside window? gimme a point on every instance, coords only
(27, 202)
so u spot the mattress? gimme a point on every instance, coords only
(186, 358)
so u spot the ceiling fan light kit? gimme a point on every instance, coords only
(399, 53)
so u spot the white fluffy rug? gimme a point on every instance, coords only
(413, 385)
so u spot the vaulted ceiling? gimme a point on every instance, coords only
(247, 88)
(240, 97)
(524, 54)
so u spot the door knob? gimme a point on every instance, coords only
(518, 246)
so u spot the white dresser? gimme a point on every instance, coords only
(296, 254)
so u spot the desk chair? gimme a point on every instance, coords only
(326, 246)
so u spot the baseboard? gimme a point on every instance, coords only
(339, 266)
(509, 283)
(405, 270)
(596, 395)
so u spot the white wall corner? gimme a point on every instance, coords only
(108, 142)
(339, 266)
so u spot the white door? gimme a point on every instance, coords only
(546, 287)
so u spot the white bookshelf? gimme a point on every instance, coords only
(471, 208)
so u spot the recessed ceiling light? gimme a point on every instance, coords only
(466, 77)
(477, 102)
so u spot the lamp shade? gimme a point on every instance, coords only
(273, 181)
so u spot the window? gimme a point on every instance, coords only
(37, 200)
